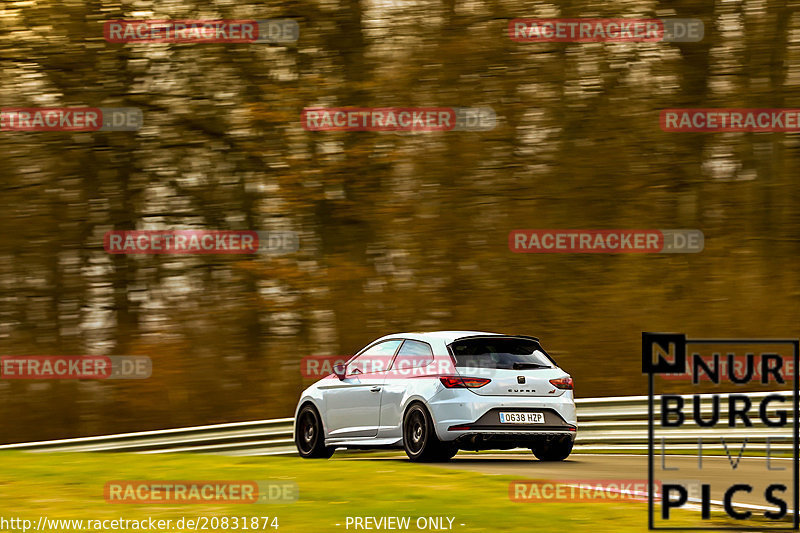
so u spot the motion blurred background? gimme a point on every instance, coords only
(398, 231)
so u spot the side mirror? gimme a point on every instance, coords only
(339, 370)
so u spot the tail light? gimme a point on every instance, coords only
(562, 383)
(457, 382)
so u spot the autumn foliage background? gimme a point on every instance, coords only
(397, 231)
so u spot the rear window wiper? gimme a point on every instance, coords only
(523, 366)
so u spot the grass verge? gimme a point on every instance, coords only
(70, 486)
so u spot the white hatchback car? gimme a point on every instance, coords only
(435, 393)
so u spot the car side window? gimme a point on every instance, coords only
(375, 359)
(413, 354)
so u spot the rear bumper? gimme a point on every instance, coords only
(502, 440)
(488, 433)
(462, 416)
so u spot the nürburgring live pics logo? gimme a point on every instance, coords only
(667, 354)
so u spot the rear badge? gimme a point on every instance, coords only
(520, 379)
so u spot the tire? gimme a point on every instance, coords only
(309, 436)
(447, 452)
(556, 450)
(419, 437)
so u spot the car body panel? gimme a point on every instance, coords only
(354, 398)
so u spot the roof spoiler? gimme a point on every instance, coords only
(496, 335)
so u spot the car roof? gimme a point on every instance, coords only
(446, 336)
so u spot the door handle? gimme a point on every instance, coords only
(375, 389)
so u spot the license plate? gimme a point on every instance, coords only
(522, 418)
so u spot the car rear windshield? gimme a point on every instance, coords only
(510, 353)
